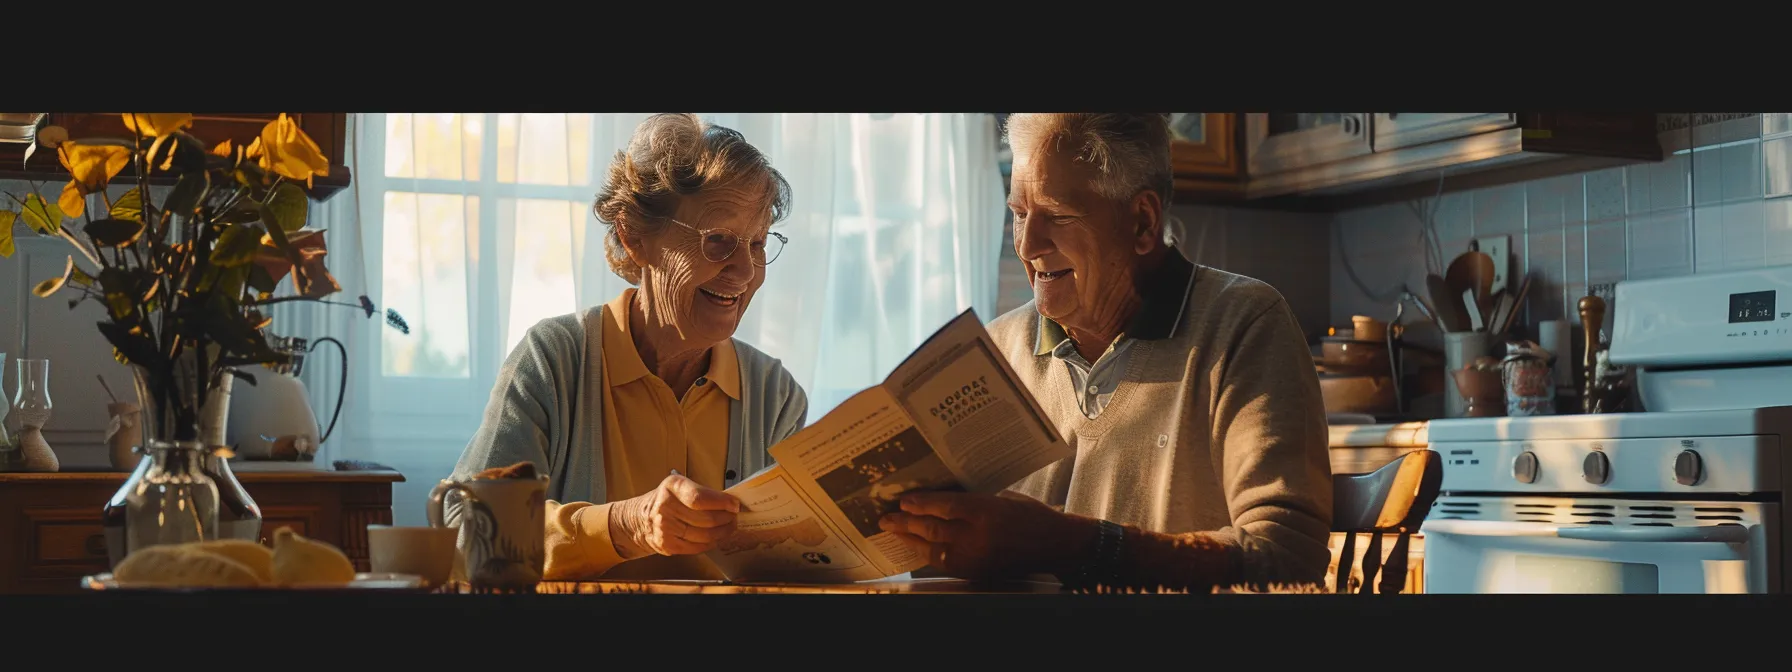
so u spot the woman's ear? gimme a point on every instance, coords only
(631, 242)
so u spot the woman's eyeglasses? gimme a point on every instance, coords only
(719, 244)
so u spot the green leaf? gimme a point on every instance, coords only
(121, 291)
(6, 219)
(183, 200)
(244, 212)
(290, 206)
(237, 246)
(114, 280)
(281, 242)
(231, 280)
(119, 305)
(41, 215)
(227, 281)
(129, 206)
(249, 174)
(114, 232)
(136, 348)
(261, 279)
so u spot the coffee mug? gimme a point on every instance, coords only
(427, 552)
(503, 525)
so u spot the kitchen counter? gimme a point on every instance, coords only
(1360, 449)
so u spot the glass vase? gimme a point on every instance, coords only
(32, 406)
(168, 500)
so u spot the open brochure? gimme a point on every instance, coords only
(953, 416)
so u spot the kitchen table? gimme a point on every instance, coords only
(630, 620)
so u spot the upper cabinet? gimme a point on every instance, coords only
(328, 129)
(1205, 153)
(1287, 141)
(1394, 130)
(1331, 160)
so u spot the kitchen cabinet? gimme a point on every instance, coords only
(328, 129)
(1283, 141)
(1393, 130)
(1335, 160)
(1206, 155)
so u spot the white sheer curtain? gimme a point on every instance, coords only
(476, 226)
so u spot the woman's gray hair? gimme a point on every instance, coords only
(672, 157)
(1130, 152)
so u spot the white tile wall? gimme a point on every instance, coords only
(1723, 203)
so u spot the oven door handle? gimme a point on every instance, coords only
(1727, 534)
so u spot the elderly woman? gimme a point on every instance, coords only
(642, 410)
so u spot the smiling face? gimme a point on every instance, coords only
(1082, 250)
(703, 299)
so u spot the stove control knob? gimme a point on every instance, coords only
(1688, 468)
(1524, 469)
(1597, 468)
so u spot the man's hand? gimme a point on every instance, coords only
(679, 517)
(982, 536)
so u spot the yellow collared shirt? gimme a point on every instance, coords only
(648, 432)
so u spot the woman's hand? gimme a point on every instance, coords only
(679, 517)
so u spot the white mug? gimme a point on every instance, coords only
(503, 526)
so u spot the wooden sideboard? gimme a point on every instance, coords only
(50, 534)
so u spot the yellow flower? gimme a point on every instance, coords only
(223, 148)
(156, 125)
(90, 167)
(287, 151)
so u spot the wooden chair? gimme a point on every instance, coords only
(1391, 500)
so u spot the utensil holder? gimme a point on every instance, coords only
(1461, 348)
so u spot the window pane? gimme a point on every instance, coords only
(542, 283)
(578, 147)
(507, 124)
(472, 128)
(398, 145)
(436, 139)
(424, 278)
(541, 149)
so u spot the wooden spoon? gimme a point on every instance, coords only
(1524, 288)
(1473, 270)
(1447, 305)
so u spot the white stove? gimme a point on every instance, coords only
(1683, 498)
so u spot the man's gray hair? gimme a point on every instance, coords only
(1130, 152)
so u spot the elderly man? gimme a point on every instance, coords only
(1187, 392)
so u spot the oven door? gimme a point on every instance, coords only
(1486, 557)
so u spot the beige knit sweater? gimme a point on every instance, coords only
(1217, 428)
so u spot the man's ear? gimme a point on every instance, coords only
(1146, 213)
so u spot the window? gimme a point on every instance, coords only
(483, 227)
(479, 225)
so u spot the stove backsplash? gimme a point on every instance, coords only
(1721, 201)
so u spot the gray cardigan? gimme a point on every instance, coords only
(547, 408)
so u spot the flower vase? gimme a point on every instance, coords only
(32, 404)
(167, 500)
(234, 513)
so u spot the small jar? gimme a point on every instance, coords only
(1530, 384)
